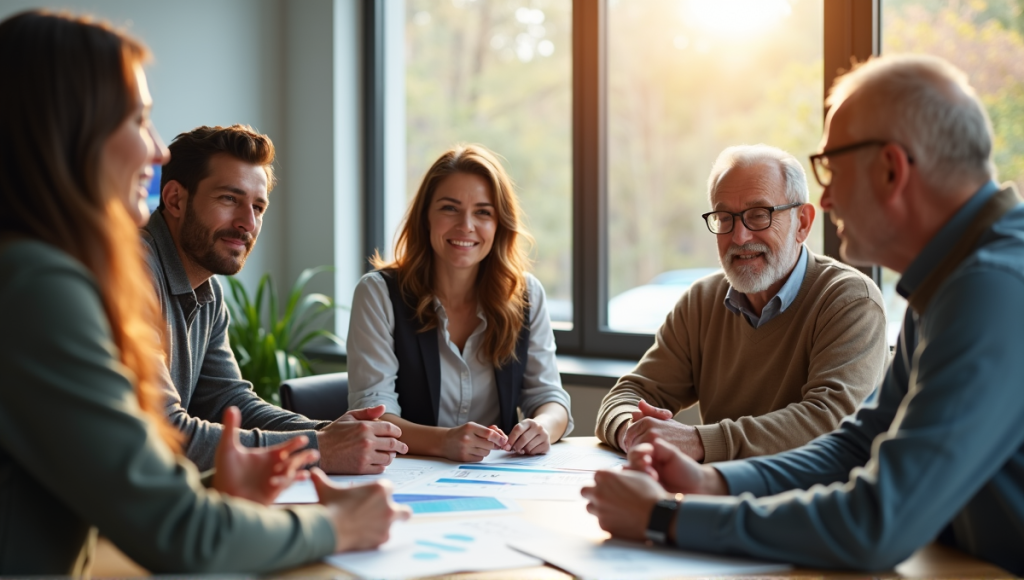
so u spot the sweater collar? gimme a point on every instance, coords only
(738, 303)
(170, 261)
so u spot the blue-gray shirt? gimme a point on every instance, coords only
(939, 447)
(204, 377)
(738, 303)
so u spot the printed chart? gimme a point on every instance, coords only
(304, 492)
(562, 457)
(425, 505)
(432, 549)
(506, 481)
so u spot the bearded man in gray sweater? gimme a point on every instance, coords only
(214, 193)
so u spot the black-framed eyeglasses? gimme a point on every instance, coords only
(822, 168)
(754, 219)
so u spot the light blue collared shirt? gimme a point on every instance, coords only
(738, 303)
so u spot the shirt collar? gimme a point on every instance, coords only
(738, 303)
(170, 261)
(942, 244)
(787, 294)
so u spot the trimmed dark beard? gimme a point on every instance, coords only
(198, 244)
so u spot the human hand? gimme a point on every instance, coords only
(650, 423)
(357, 443)
(674, 470)
(645, 410)
(259, 474)
(529, 437)
(623, 501)
(472, 442)
(361, 515)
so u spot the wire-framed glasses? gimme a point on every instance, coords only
(754, 219)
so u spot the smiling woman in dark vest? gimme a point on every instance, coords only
(453, 335)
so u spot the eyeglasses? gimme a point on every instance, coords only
(822, 168)
(754, 219)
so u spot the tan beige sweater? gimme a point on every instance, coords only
(762, 390)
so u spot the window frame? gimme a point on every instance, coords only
(852, 30)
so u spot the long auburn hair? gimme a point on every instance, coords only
(70, 83)
(501, 279)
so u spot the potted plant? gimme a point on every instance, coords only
(268, 342)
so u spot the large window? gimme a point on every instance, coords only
(499, 73)
(609, 114)
(687, 79)
(984, 39)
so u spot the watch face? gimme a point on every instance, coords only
(661, 519)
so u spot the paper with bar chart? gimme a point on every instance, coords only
(505, 481)
(400, 473)
(562, 456)
(416, 550)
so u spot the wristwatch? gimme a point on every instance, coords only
(661, 519)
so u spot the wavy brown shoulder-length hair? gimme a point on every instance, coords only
(69, 83)
(501, 280)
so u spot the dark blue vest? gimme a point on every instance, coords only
(419, 364)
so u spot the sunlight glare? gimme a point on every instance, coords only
(736, 17)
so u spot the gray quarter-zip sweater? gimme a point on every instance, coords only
(204, 376)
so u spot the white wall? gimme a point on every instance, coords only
(322, 153)
(289, 69)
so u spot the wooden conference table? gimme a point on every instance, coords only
(571, 518)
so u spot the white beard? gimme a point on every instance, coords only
(749, 278)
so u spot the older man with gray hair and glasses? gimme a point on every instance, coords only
(777, 348)
(906, 162)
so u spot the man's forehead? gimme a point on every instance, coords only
(227, 172)
(750, 186)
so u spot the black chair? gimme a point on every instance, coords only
(321, 397)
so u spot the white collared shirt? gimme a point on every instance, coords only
(468, 388)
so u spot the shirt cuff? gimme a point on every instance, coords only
(323, 542)
(373, 399)
(715, 446)
(700, 521)
(271, 438)
(620, 415)
(742, 477)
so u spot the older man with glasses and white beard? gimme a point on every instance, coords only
(776, 349)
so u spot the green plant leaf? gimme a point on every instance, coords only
(268, 343)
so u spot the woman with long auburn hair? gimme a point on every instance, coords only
(83, 440)
(453, 335)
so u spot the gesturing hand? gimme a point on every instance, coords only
(529, 437)
(361, 515)
(357, 443)
(472, 442)
(261, 473)
(674, 470)
(622, 502)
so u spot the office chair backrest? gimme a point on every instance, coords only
(322, 397)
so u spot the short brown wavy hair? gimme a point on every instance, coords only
(191, 152)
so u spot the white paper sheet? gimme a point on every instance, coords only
(505, 481)
(563, 456)
(416, 550)
(400, 473)
(614, 559)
